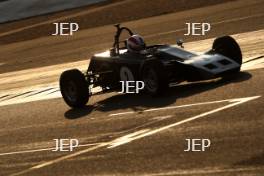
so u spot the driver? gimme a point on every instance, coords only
(135, 44)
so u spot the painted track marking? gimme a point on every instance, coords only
(173, 107)
(41, 150)
(137, 135)
(156, 119)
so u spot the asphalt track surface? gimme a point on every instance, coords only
(140, 135)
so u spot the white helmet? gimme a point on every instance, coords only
(135, 43)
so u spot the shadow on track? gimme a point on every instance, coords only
(78, 112)
(142, 101)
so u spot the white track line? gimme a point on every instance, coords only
(156, 119)
(172, 107)
(137, 135)
(43, 149)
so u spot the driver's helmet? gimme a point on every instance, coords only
(135, 43)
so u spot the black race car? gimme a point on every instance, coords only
(156, 67)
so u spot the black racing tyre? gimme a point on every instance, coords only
(228, 47)
(154, 78)
(74, 88)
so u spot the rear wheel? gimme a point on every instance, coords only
(154, 78)
(74, 88)
(228, 47)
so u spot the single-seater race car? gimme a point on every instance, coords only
(157, 67)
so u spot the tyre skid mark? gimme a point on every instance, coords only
(17, 95)
(4, 96)
(30, 96)
(253, 59)
(41, 91)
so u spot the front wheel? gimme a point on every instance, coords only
(74, 88)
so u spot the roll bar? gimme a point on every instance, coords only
(117, 35)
